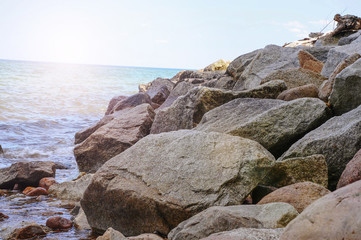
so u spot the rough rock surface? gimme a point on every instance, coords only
(307, 61)
(334, 216)
(114, 102)
(345, 94)
(72, 190)
(179, 89)
(80, 221)
(295, 77)
(275, 124)
(167, 178)
(300, 169)
(132, 101)
(268, 60)
(299, 195)
(309, 90)
(219, 219)
(114, 137)
(330, 140)
(46, 182)
(352, 172)
(59, 223)
(159, 90)
(247, 234)
(29, 232)
(26, 174)
(111, 234)
(188, 110)
(146, 236)
(219, 65)
(238, 65)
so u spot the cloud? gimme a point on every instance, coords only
(161, 41)
(298, 28)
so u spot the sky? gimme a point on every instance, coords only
(187, 34)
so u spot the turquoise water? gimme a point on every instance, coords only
(42, 106)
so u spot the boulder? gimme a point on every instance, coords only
(46, 182)
(132, 101)
(309, 90)
(146, 236)
(179, 89)
(275, 124)
(345, 94)
(187, 111)
(327, 86)
(299, 169)
(330, 140)
(166, 178)
(348, 39)
(25, 174)
(37, 192)
(28, 232)
(352, 172)
(159, 90)
(307, 61)
(219, 219)
(114, 137)
(238, 65)
(320, 53)
(112, 234)
(80, 221)
(72, 190)
(59, 223)
(247, 234)
(299, 195)
(268, 60)
(295, 77)
(114, 102)
(334, 216)
(219, 65)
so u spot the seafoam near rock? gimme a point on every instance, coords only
(166, 178)
(219, 219)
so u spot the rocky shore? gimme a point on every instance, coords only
(267, 146)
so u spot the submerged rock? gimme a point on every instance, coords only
(28, 232)
(166, 178)
(59, 223)
(159, 90)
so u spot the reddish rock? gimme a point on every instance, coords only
(309, 90)
(28, 189)
(59, 223)
(3, 216)
(299, 195)
(47, 182)
(37, 192)
(114, 101)
(131, 102)
(309, 62)
(352, 172)
(30, 231)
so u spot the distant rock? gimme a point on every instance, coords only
(334, 216)
(309, 62)
(247, 234)
(299, 195)
(219, 219)
(299, 169)
(295, 77)
(309, 90)
(330, 140)
(219, 65)
(166, 178)
(275, 124)
(352, 172)
(26, 174)
(114, 137)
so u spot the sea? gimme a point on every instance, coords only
(42, 106)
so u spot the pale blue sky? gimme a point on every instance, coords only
(156, 33)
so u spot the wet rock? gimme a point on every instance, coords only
(27, 190)
(299, 195)
(188, 110)
(155, 192)
(72, 190)
(114, 102)
(218, 219)
(59, 223)
(334, 216)
(159, 90)
(295, 77)
(219, 65)
(3, 216)
(146, 236)
(300, 169)
(37, 192)
(28, 232)
(352, 172)
(309, 90)
(238, 65)
(114, 137)
(345, 94)
(25, 174)
(112, 234)
(320, 53)
(1, 150)
(268, 60)
(307, 61)
(46, 182)
(275, 124)
(247, 234)
(330, 140)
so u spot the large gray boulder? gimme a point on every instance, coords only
(268, 60)
(187, 111)
(166, 178)
(219, 219)
(247, 234)
(338, 140)
(334, 216)
(346, 90)
(275, 124)
(179, 89)
(114, 137)
(238, 65)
